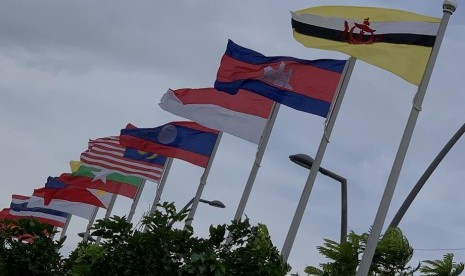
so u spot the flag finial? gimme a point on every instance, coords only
(449, 6)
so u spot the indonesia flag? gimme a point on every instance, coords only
(188, 141)
(107, 153)
(243, 115)
(305, 85)
(79, 209)
(19, 209)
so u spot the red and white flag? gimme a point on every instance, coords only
(108, 154)
(243, 115)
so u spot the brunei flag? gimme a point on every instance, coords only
(395, 40)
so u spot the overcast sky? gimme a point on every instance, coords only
(77, 70)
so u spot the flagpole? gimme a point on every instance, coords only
(161, 184)
(449, 7)
(343, 83)
(65, 227)
(136, 201)
(258, 159)
(89, 225)
(203, 182)
(108, 212)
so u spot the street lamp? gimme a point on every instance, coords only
(307, 162)
(214, 203)
(89, 238)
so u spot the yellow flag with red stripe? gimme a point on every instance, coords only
(395, 40)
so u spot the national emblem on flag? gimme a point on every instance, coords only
(305, 85)
(395, 40)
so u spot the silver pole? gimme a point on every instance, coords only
(108, 213)
(65, 228)
(316, 164)
(161, 184)
(258, 159)
(89, 225)
(136, 200)
(203, 182)
(383, 208)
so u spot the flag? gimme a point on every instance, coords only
(4, 214)
(94, 178)
(188, 141)
(395, 40)
(243, 115)
(19, 209)
(305, 85)
(107, 154)
(57, 189)
(79, 209)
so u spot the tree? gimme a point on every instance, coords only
(162, 250)
(28, 249)
(444, 267)
(391, 256)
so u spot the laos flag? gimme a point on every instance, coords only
(188, 141)
(305, 85)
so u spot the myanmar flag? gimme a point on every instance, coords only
(89, 177)
(395, 40)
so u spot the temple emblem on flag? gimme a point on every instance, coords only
(361, 37)
(279, 77)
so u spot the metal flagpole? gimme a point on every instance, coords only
(161, 184)
(65, 227)
(203, 182)
(448, 9)
(108, 213)
(421, 182)
(343, 83)
(258, 159)
(89, 225)
(136, 200)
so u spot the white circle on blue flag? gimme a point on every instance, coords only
(167, 134)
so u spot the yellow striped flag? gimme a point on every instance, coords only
(395, 40)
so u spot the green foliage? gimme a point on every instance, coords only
(444, 267)
(391, 256)
(28, 249)
(162, 250)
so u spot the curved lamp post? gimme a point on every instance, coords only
(214, 203)
(421, 182)
(307, 162)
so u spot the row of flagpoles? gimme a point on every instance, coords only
(244, 102)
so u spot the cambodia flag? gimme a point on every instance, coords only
(305, 85)
(188, 141)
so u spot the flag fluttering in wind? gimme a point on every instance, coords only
(57, 189)
(93, 178)
(305, 85)
(79, 209)
(243, 115)
(188, 141)
(19, 209)
(107, 154)
(395, 40)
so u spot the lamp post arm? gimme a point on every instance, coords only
(421, 182)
